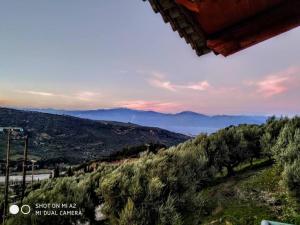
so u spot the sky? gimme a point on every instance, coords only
(104, 54)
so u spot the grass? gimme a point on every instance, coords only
(255, 164)
(249, 197)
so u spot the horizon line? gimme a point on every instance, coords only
(150, 110)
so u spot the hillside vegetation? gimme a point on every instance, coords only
(238, 175)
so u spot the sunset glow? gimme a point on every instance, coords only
(95, 59)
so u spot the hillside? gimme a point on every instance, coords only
(237, 176)
(75, 140)
(187, 122)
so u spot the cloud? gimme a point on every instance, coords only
(39, 93)
(276, 84)
(272, 85)
(149, 105)
(162, 84)
(200, 86)
(158, 80)
(87, 96)
(82, 95)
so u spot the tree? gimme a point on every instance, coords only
(227, 148)
(271, 132)
(287, 153)
(250, 140)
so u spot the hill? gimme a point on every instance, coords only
(186, 122)
(237, 176)
(75, 140)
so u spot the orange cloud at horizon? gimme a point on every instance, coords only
(3, 102)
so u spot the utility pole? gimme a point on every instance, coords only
(9, 131)
(6, 176)
(32, 172)
(24, 167)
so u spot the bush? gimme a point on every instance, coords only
(168, 214)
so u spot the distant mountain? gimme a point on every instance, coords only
(187, 122)
(75, 140)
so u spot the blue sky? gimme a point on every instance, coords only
(102, 54)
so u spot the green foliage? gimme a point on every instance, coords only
(127, 214)
(291, 177)
(134, 151)
(171, 182)
(168, 214)
(287, 153)
(265, 181)
(249, 198)
(185, 185)
(297, 220)
(272, 130)
(232, 146)
(153, 181)
(66, 190)
(80, 190)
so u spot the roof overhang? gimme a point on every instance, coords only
(226, 27)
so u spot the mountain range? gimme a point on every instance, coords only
(187, 122)
(63, 138)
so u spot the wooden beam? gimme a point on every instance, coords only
(266, 25)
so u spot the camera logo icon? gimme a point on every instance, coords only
(15, 209)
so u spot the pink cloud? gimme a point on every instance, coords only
(158, 80)
(276, 84)
(150, 105)
(162, 84)
(273, 85)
